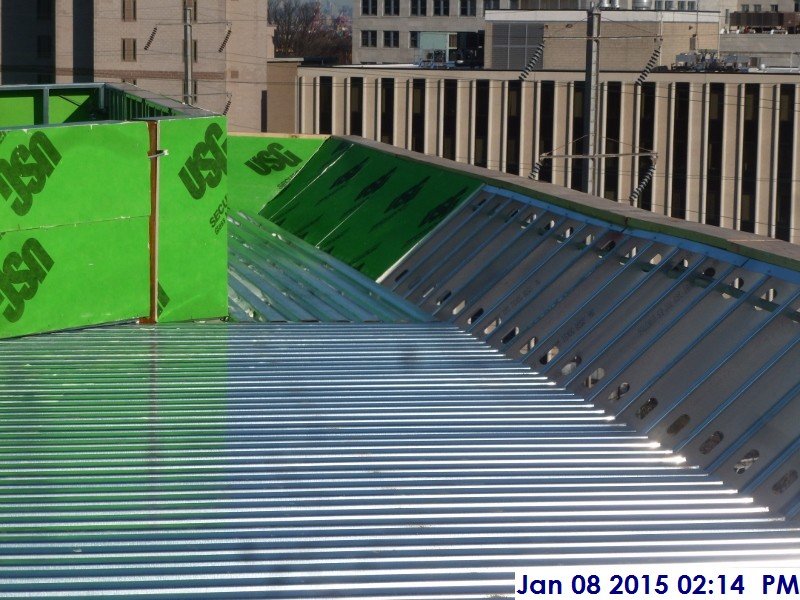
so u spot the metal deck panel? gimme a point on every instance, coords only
(336, 460)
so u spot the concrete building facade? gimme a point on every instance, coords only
(727, 145)
(142, 42)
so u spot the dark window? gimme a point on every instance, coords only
(450, 119)
(578, 164)
(369, 7)
(546, 109)
(413, 39)
(441, 8)
(716, 112)
(194, 50)
(786, 118)
(44, 46)
(419, 8)
(613, 110)
(468, 8)
(680, 154)
(193, 5)
(491, 5)
(356, 106)
(369, 39)
(325, 104)
(391, 39)
(749, 158)
(646, 141)
(387, 110)
(44, 10)
(481, 122)
(128, 10)
(391, 8)
(513, 126)
(418, 115)
(129, 49)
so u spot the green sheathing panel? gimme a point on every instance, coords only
(73, 275)
(19, 108)
(73, 174)
(260, 167)
(70, 106)
(366, 207)
(192, 247)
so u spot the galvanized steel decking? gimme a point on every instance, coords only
(327, 460)
(696, 347)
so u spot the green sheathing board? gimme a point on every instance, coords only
(74, 226)
(366, 207)
(73, 275)
(70, 106)
(73, 174)
(260, 167)
(20, 108)
(192, 247)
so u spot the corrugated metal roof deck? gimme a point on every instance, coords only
(326, 460)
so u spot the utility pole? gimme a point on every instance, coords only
(187, 55)
(591, 94)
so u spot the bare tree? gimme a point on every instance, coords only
(301, 31)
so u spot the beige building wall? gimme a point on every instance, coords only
(105, 40)
(558, 117)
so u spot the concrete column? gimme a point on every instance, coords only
(503, 141)
(529, 126)
(308, 105)
(602, 114)
(661, 138)
(731, 148)
(794, 232)
(627, 127)
(439, 116)
(371, 107)
(346, 119)
(739, 145)
(409, 106)
(400, 111)
(465, 120)
(338, 106)
(765, 193)
(562, 130)
(470, 133)
(702, 181)
(496, 132)
(432, 116)
(696, 151)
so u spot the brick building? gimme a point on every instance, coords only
(46, 41)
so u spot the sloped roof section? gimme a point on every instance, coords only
(694, 346)
(277, 277)
(327, 460)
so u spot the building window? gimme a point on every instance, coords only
(129, 49)
(797, 7)
(369, 39)
(391, 39)
(413, 39)
(669, 5)
(481, 129)
(468, 8)
(659, 4)
(193, 5)
(418, 115)
(325, 105)
(44, 46)
(387, 111)
(391, 8)
(369, 7)
(44, 10)
(419, 8)
(491, 5)
(450, 119)
(356, 105)
(128, 10)
(745, 8)
(773, 7)
(691, 5)
(715, 140)
(747, 216)
(681, 4)
(441, 8)
(783, 217)
(756, 8)
(513, 126)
